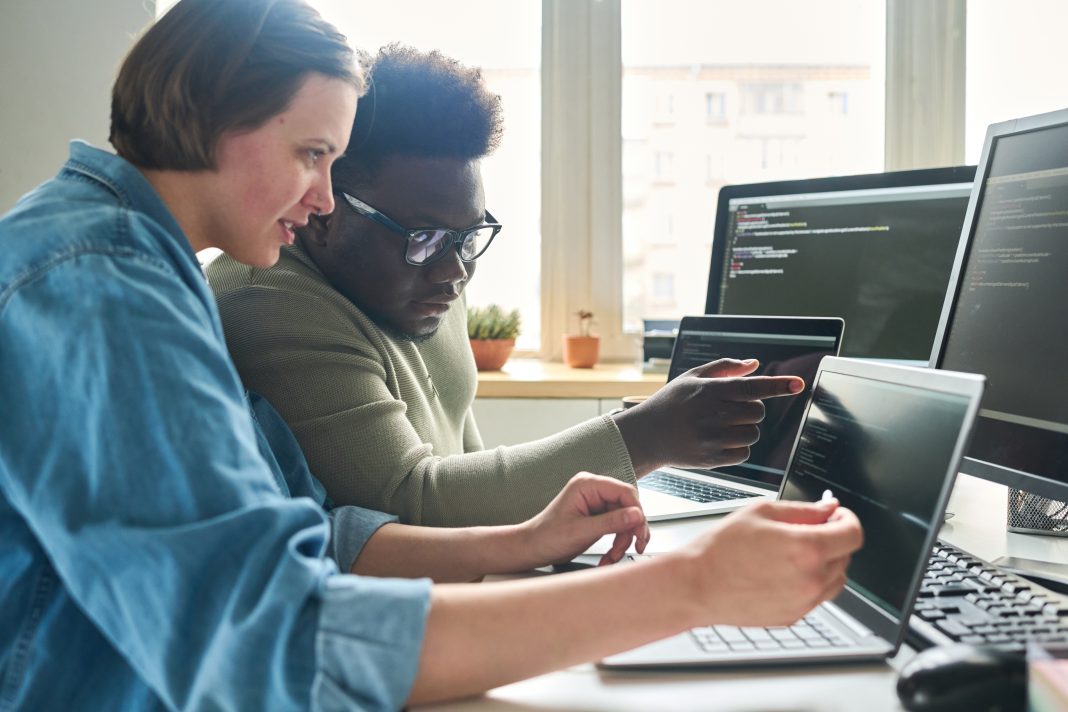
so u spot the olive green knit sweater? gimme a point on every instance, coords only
(385, 423)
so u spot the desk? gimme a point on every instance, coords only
(531, 378)
(532, 399)
(977, 527)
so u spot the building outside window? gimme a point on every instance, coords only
(784, 126)
(715, 107)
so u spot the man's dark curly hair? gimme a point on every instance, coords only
(419, 104)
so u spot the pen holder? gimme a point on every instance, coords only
(1032, 514)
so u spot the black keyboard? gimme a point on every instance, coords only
(967, 600)
(668, 483)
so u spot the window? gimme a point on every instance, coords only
(664, 287)
(1015, 62)
(772, 98)
(706, 93)
(809, 88)
(665, 107)
(838, 102)
(713, 167)
(664, 163)
(510, 59)
(715, 107)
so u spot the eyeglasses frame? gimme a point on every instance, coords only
(458, 237)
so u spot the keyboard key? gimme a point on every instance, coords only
(1055, 609)
(731, 634)
(954, 589)
(952, 628)
(807, 633)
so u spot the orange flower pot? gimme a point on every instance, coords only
(581, 351)
(491, 354)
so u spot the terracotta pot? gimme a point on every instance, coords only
(581, 351)
(491, 354)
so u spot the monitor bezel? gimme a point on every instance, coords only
(1000, 474)
(866, 181)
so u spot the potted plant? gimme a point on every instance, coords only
(581, 351)
(492, 332)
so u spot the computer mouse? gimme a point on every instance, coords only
(955, 678)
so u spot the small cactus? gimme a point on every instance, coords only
(492, 322)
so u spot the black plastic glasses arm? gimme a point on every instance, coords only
(429, 244)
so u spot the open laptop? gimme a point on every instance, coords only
(886, 441)
(784, 345)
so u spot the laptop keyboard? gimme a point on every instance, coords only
(809, 632)
(702, 492)
(964, 599)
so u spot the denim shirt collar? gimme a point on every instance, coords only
(129, 185)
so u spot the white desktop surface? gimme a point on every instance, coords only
(978, 526)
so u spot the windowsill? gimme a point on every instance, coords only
(531, 378)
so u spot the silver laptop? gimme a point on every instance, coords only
(886, 440)
(784, 346)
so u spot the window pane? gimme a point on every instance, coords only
(508, 50)
(718, 92)
(1016, 56)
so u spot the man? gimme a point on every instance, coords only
(358, 335)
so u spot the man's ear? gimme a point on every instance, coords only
(317, 229)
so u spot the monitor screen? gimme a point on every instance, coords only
(874, 250)
(1004, 317)
(850, 444)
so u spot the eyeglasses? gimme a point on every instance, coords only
(429, 244)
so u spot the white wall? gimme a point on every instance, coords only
(58, 60)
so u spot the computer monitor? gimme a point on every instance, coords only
(875, 250)
(1004, 314)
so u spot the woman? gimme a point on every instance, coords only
(152, 556)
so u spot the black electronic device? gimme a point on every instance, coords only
(875, 250)
(963, 677)
(1004, 311)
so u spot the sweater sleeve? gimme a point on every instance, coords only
(329, 379)
(472, 435)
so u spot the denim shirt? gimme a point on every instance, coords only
(152, 556)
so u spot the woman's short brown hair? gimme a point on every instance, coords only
(212, 66)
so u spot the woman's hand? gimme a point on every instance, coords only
(589, 507)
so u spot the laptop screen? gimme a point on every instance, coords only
(883, 449)
(781, 353)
